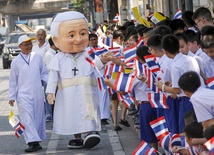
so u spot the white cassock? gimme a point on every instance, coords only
(25, 87)
(77, 104)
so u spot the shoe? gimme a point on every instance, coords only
(133, 112)
(75, 144)
(117, 128)
(32, 148)
(39, 146)
(91, 139)
(125, 123)
(104, 122)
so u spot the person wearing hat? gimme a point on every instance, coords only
(27, 71)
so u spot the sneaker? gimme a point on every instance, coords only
(133, 112)
(117, 128)
(104, 122)
(75, 144)
(125, 123)
(91, 139)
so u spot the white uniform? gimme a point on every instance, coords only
(209, 68)
(203, 104)
(41, 50)
(26, 88)
(77, 108)
(49, 55)
(198, 59)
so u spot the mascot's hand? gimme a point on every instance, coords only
(51, 98)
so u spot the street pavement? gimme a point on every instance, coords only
(122, 142)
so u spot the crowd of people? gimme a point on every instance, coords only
(182, 71)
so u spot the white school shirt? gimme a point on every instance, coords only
(49, 55)
(198, 59)
(140, 89)
(203, 104)
(180, 65)
(41, 50)
(165, 64)
(26, 88)
(209, 68)
(202, 54)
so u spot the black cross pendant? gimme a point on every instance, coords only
(75, 71)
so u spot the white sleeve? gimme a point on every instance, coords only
(52, 82)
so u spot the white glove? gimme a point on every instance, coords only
(51, 98)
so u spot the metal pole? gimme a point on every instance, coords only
(189, 5)
(179, 4)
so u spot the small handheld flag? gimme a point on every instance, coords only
(210, 144)
(210, 83)
(116, 18)
(178, 14)
(144, 149)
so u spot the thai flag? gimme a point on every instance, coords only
(175, 140)
(157, 100)
(107, 70)
(164, 142)
(116, 68)
(101, 83)
(90, 57)
(151, 81)
(144, 149)
(129, 54)
(116, 18)
(107, 41)
(124, 82)
(152, 64)
(116, 51)
(140, 42)
(178, 14)
(19, 130)
(99, 51)
(111, 91)
(138, 68)
(210, 83)
(193, 150)
(210, 144)
(126, 99)
(159, 127)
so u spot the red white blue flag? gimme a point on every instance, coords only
(210, 144)
(116, 68)
(129, 54)
(126, 99)
(19, 130)
(144, 149)
(164, 142)
(116, 51)
(140, 42)
(124, 82)
(139, 68)
(108, 41)
(210, 83)
(111, 91)
(175, 140)
(152, 77)
(116, 18)
(152, 63)
(178, 14)
(90, 57)
(101, 83)
(159, 127)
(99, 51)
(193, 150)
(157, 100)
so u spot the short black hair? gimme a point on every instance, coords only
(194, 130)
(207, 41)
(207, 30)
(177, 24)
(91, 35)
(50, 41)
(165, 22)
(202, 12)
(209, 132)
(140, 30)
(142, 51)
(182, 36)
(170, 43)
(190, 117)
(189, 81)
(162, 30)
(117, 34)
(187, 18)
(192, 36)
(155, 41)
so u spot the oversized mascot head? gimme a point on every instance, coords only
(69, 31)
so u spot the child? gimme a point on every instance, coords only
(180, 65)
(201, 98)
(177, 26)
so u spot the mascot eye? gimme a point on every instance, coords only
(71, 35)
(83, 33)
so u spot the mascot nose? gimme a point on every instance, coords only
(78, 39)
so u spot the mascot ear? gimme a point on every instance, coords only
(56, 42)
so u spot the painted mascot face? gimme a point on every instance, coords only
(73, 36)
